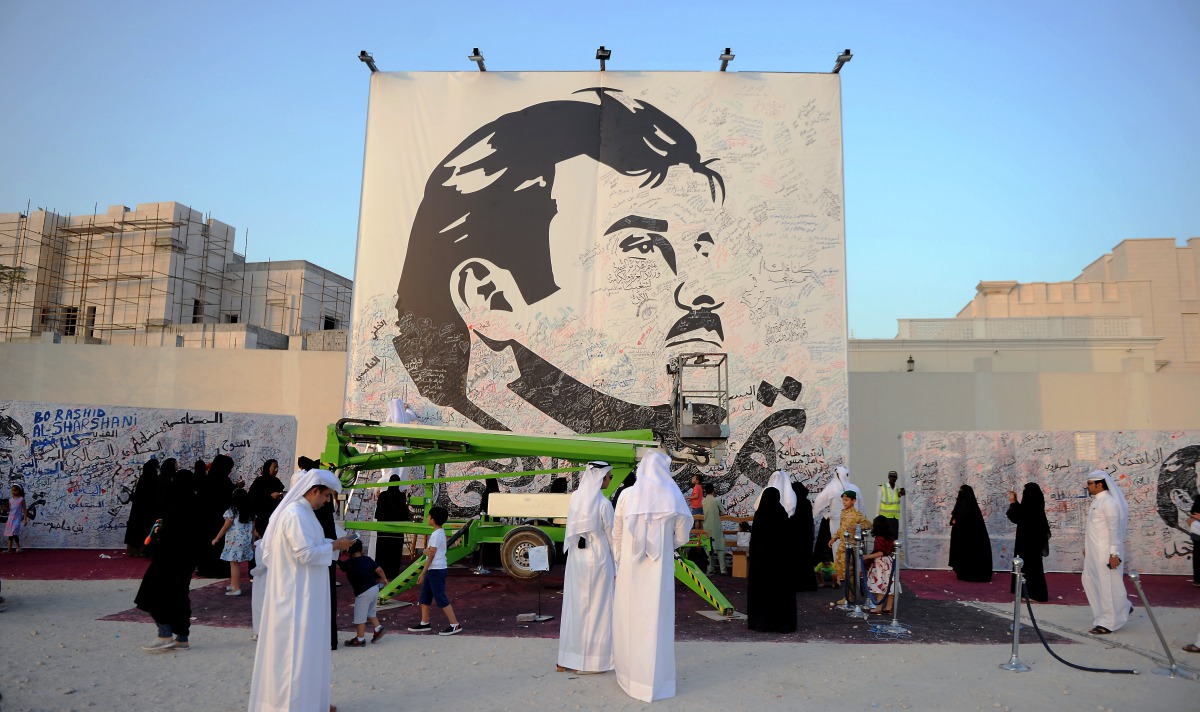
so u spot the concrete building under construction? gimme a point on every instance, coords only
(160, 275)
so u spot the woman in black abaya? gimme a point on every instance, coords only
(167, 581)
(970, 546)
(266, 491)
(771, 588)
(802, 536)
(215, 491)
(389, 548)
(143, 509)
(1032, 541)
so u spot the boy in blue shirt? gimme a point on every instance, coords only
(365, 576)
(433, 576)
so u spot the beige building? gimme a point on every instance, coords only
(1152, 281)
(1029, 373)
(160, 274)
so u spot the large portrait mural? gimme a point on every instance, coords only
(534, 247)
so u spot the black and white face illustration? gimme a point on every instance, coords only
(648, 263)
(534, 249)
(1178, 485)
(546, 269)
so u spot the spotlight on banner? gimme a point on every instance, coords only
(725, 59)
(367, 59)
(477, 58)
(844, 57)
(602, 55)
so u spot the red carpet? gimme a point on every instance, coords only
(72, 564)
(488, 605)
(1065, 589)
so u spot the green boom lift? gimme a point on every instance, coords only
(518, 522)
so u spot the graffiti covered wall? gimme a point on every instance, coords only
(533, 248)
(1155, 469)
(79, 463)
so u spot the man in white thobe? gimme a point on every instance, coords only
(651, 521)
(1104, 554)
(585, 641)
(292, 661)
(828, 504)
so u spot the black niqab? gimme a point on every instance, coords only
(771, 586)
(143, 507)
(164, 592)
(1032, 540)
(261, 500)
(802, 534)
(970, 546)
(389, 547)
(215, 491)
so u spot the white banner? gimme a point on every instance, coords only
(79, 464)
(534, 247)
(1156, 470)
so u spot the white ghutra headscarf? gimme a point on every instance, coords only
(302, 482)
(587, 502)
(781, 481)
(654, 497)
(1115, 490)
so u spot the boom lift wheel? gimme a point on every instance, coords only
(514, 551)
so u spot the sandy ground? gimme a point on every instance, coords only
(56, 655)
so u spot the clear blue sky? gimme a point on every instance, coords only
(1004, 140)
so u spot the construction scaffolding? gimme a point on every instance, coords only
(148, 276)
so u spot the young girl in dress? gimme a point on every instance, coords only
(16, 519)
(880, 573)
(238, 531)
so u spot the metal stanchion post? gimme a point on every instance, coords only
(895, 628)
(1167, 671)
(1014, 663)
(857, 611)
(896, 558)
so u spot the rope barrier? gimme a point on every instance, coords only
(1029, 604)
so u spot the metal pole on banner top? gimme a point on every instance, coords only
(1014, 662)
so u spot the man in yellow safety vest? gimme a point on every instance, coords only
(889, 502)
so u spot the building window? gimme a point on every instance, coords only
(90, 322)
(231, 318)
(70, 320)
(197, 312)
(330, 323)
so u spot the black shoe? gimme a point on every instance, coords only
(452, 630)
(420, 628)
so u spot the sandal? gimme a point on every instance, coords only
(1099, 630)
(1191, 648)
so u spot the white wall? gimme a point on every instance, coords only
(309, 386)
(304, 384)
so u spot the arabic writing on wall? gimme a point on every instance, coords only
(79, 464)
(1155, 469)
(772, 270)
